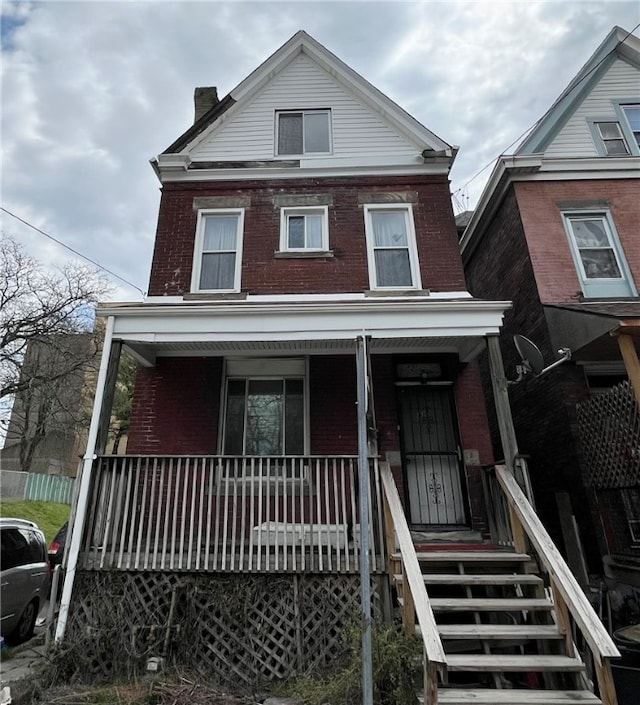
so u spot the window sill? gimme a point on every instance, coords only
(397, 292)
(216, 296)
(600, 298)
(310, 254)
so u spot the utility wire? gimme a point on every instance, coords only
(75, 252)
(570, 87)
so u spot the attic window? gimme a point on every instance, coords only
(612, 138)
(303, 132)
(632, 113)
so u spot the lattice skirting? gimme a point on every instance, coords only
(241, 627)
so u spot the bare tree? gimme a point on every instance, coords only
(46, 346)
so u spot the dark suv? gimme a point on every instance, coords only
(25, 576)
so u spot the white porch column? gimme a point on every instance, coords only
(85, 484)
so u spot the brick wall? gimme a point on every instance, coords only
(441, 268)
(544, 408)
(175, 407)
(541, 216)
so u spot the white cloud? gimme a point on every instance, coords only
(92, 90)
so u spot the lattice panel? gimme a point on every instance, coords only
(610, 433)
(326, 607)
(248, 628)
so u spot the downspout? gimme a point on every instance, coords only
(85, 484)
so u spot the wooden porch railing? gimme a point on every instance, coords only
(416, 603)
(517, 524)
(221, 513)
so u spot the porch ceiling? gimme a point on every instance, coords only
(327, 327)
(467, 348)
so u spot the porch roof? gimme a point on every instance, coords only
(395, 324)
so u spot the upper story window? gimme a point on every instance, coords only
(303, 132)
(218, 250)
(391, 247)
(304, 229)
(619, 136)
(598, 255)
(631, 112)
(612, 138)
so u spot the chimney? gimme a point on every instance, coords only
(204, 98)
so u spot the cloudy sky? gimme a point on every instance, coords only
(92, 90)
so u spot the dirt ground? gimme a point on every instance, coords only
(154, 693)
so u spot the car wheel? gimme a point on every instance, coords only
(24, 628)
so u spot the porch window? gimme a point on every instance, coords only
(218, 251)
(391, 247)
(264, 417)
(303, 132)
(598, 255)
(304, 229)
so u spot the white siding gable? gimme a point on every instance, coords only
(621, 81)
(359, 133)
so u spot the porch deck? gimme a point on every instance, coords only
(229, 514)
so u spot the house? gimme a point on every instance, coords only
(556, 231)
(308, 395)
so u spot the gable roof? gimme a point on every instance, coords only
(617, 44)
(303, 43)
(529, 158)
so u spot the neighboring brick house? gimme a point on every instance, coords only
(557, 230)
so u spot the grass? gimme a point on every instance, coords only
(49, 516)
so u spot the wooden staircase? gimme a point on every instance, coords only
(494, 631)
(499, 632)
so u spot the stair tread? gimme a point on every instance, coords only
(475, 579)
(465, 696)
(499, 631)
(503, 604)
(469, 556)
(504, 663)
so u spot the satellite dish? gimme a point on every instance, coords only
(531, 358)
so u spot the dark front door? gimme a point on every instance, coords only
(432, 456)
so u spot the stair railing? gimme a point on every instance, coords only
(569, 598)
(416, 605)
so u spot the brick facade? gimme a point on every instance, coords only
(540, 206)
(346, 271)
